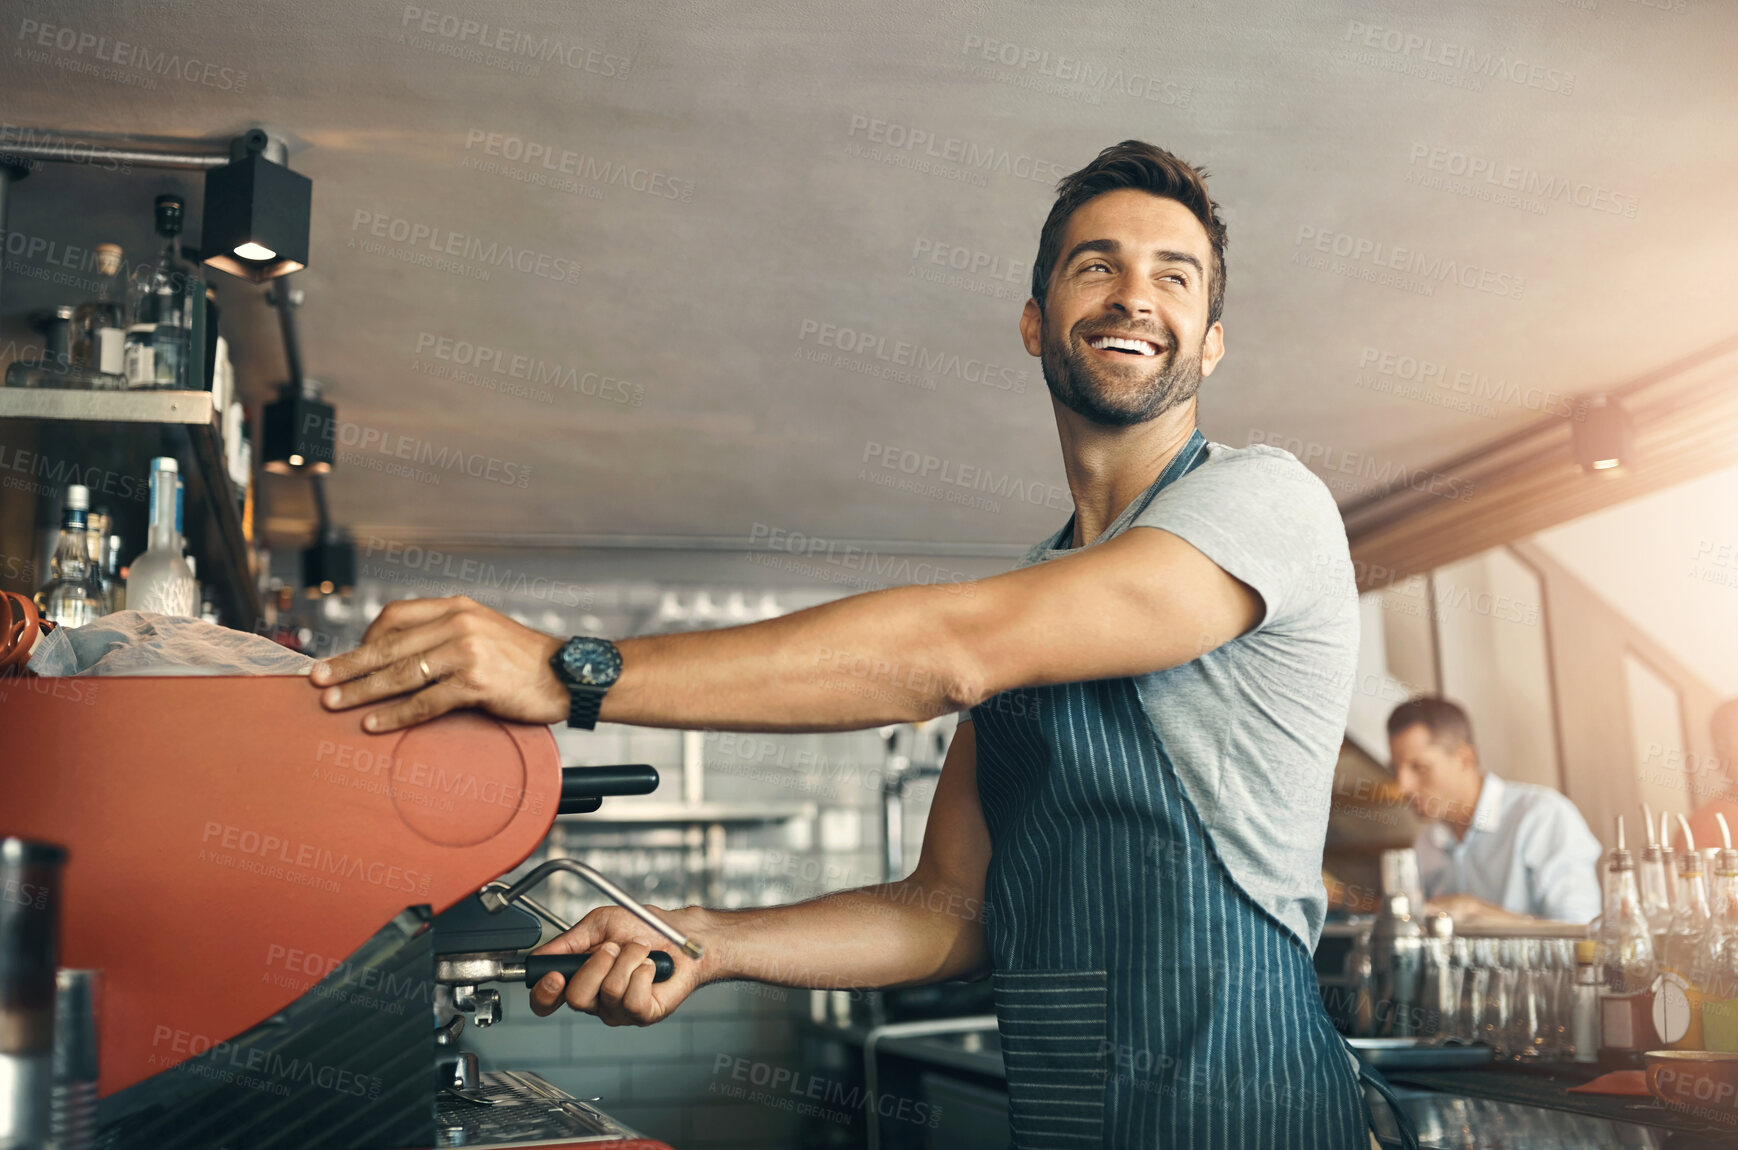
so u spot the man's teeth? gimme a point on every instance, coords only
(1117, 343)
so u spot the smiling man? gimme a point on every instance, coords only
(1153, 701)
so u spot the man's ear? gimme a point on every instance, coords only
(1212, 348)
(1032, 328)
(1468, 756)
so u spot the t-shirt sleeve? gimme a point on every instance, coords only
(1264, 519)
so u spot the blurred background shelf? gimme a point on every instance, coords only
(106, 440)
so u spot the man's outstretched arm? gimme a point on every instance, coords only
(1140, 602)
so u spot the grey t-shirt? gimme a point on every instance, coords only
(1254, 727)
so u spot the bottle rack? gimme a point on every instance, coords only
(106, 440)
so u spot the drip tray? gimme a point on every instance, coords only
(527, 1110)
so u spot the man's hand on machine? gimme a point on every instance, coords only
(616, 984)
(431, 656)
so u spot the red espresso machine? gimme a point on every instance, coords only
(292, 916)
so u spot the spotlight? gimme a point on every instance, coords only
(329, 566)
(1604, 437)
(299, 431)
(256, 212)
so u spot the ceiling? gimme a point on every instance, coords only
(725, 207)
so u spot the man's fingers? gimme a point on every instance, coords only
(639, 1001)
(428, 703)
(404, 674)
(396, 632)
(402, 614)
(615, 983)
(581, 991)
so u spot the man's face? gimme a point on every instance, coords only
(1435, 779)
(1135, 266)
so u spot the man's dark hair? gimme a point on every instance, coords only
(1447, 723)
(1134, 164)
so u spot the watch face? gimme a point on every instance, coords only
(593, 662)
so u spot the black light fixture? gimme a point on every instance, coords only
(329, 566)
(1604, 436)
(256, 212)
(299, 431)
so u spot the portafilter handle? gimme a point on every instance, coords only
(496, 897)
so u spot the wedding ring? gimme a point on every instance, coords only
(427, 675)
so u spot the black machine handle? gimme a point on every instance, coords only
(583, 789)
(538, 965)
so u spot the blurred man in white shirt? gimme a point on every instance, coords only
(1493, 850)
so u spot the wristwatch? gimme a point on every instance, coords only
(587, 667)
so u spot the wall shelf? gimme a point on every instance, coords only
(106, 440)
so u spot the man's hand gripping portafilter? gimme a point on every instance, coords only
(465, 971)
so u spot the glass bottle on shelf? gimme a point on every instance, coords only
(1678, 1004)
(99, 326)
(71, 598)
(1583, 1045)
(1627, 961)
(161, 299)
(117, 583)
(1717, 960)
(55, 368)
(96, 536)
(159, 580)
(1655, 882)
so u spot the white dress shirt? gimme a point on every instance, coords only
(1528, 851)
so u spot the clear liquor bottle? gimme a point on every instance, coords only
(159, 580)
(96, 536)
(1627, 959)
(1717, 960)
(1678, 1004)
(99, 326)
(70, 598)
(161, 298)
(55, 368)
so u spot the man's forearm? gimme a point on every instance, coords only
(898, 934)
(884, 657)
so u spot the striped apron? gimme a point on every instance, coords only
(1143, 999)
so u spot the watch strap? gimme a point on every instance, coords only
(582, 705)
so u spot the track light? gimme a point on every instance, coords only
(1604, 436)
(299, 432)
(256, 212)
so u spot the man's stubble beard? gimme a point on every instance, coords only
(1072, 380)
